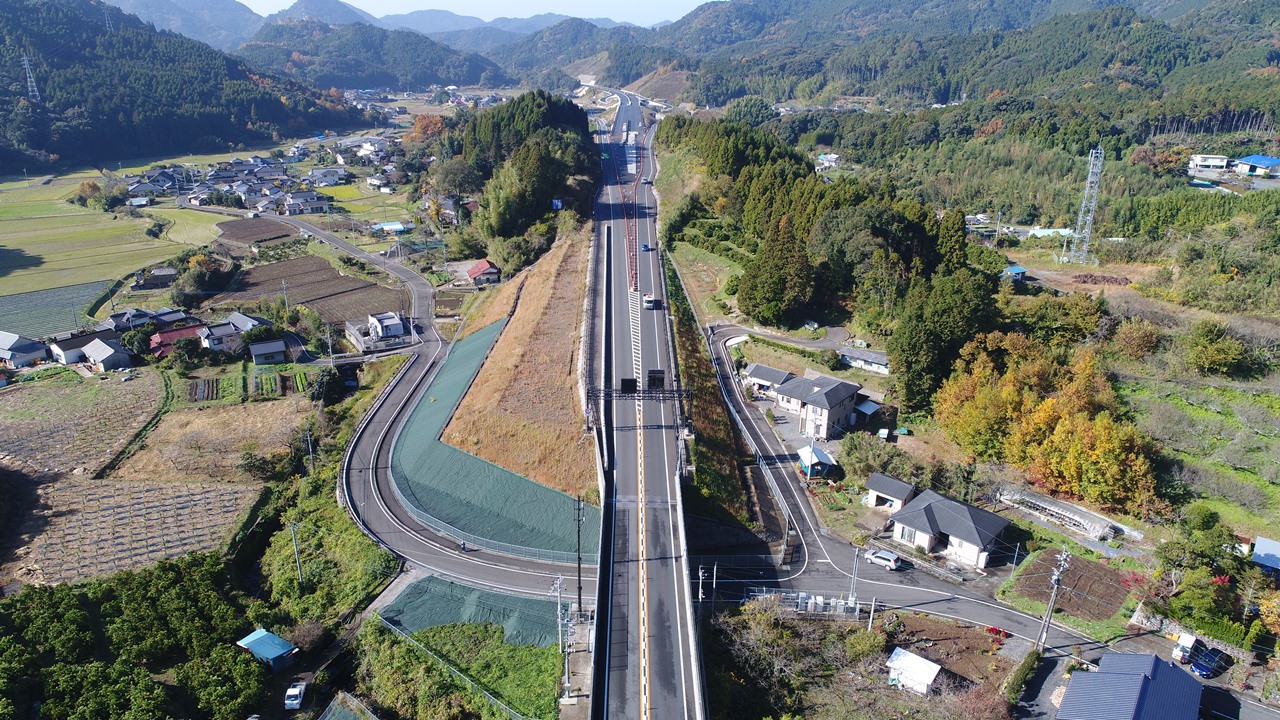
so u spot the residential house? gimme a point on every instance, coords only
(161, 277)
(269, 352)
(106, 355)
(1132, 687)
(377, 180)
(386, 325)
(764, 380)
(824, 404)
(17, 351)
(886, 491)
(69, 349)
(1203, 163)
(912, 672)
(826, 161)
(162, 341)
(166, 317)
(868, 360)
(484, 273)
(937, 523)
(145, 188)
(269, 648)
(221, 336)
(1258, 165)
(243, 323)
(126, 320)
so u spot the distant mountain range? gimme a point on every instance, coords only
(360, 55)
(227, 24)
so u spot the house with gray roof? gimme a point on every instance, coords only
(1132, 687)
(68, 349)
(823, 403)
(869, 360)
(221, 336)
(886, 491)
(17, 351)
(270, 352)
(763, 379)
(937, 523)
(106, 355)
(243, 323)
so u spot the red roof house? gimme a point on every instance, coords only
(162, 341)
(484, 272)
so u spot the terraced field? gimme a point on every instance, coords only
(313, 282)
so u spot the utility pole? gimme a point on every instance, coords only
(311, 467)
(328, 334)
(853, 583)
(1064, 561)
(285, 285)
(293, 533)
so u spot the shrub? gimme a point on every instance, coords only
(1017, 681)
(861, 644)
(731, 285)
(1137, 338)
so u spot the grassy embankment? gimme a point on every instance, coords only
(523, 411)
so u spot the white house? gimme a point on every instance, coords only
(869, 360)
(484, 272)
(912, 672)
(221, 336)
(823, 404)
(70, 349)
(106, 355)
(764, 379)
(17, 351)
(386, 325)
(937, 523)
(1207, 163)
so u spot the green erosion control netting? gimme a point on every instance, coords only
(435, 601)
(345, 707)
(40, 313)
(474, 495)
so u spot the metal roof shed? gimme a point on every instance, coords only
(1266, 552)
(910, 671)
(270, 648)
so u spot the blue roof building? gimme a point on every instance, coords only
(1257, 165)
(270, 648)
(1132, 687)
(1016, 273)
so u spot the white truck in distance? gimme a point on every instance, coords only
(649, 302)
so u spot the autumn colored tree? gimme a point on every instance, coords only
(426, 127)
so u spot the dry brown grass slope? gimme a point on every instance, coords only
(522, 412)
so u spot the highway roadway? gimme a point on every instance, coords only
(650, 659)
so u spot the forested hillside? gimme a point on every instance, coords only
(364, 56)
(132, 91)
(224, 24)
(529, 162)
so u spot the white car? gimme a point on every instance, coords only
(293, 696)
(883, 558)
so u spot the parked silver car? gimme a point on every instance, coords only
(883, 558)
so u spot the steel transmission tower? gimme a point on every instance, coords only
(1079, 252)
(33, 92)
(106, 12)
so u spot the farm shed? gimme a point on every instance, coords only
(1266, 552)
(1131, 687)
(270, 648)
(912, 672)
(888, 492)
(1259, 165)
(814, 461)
(270, 352)
(106, 355)
(386, 325)
(17, 351)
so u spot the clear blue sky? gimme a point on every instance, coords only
(644, 13)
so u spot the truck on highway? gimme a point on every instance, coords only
(626, 126)
(649, 302)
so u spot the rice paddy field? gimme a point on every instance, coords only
(46, 243)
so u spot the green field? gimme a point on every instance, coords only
(47, 243)
(190, 227)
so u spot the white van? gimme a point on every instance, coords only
(1185, 649)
